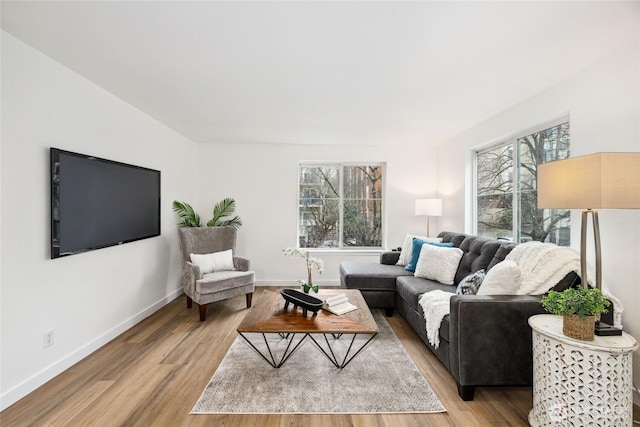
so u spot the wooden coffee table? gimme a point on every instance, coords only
(267, 316)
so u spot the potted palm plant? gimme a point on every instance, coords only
(221, 213)
(579, 308)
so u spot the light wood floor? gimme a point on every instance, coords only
(153, 374)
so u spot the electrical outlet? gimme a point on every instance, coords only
(49, 338)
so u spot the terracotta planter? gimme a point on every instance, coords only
(574, 327)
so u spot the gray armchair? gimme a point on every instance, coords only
(218, 285)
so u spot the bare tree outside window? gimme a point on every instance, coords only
(362, 217)
(340, 206)
(543, 225)
(494, 191)
(509, 172)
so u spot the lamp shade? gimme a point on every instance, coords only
(594, 181)
(429, 207)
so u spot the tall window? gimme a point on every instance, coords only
(340, 205)
(506, 192)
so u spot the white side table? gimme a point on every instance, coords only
(580, 383)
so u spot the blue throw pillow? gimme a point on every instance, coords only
(415, 252)
(470, 284)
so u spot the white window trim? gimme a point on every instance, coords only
(383, 209)
(472, 194)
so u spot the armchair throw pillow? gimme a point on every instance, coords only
(216, 261)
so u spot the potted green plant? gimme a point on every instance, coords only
(579, 308)
(221, 213)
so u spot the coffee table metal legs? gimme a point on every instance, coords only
(348, 357)
(329, 353)
(271, 360)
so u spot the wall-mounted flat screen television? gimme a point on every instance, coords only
(96, 203)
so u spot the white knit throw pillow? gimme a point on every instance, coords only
(405, 254)
(502, 279)
(438, 263)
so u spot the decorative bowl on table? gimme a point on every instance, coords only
(302, 300)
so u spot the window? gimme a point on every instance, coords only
(505, 188)
(340, 205)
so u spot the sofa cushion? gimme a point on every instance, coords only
(455, 238)
(475, 257)
(410, 288)
(478, 253)
(501, 254)
(571, 280)
(370, 275)
(389, 258)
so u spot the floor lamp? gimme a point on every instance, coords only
(591, 182)
(428, 208)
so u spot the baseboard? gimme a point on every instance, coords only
(11, 396)
(295, 283)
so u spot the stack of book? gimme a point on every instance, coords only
(338, 304)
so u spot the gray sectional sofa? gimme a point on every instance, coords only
(485, 340)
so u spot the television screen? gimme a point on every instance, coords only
(97, 203)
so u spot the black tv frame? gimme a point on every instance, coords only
(54, 158)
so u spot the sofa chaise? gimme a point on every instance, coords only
(486, 339)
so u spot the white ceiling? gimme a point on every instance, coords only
(324, 72)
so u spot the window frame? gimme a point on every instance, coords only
(341, 247)
(511, 141)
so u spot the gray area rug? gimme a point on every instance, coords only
(381, 379)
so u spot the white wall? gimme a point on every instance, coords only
(88, 298)
(263, 180)
(604, 107)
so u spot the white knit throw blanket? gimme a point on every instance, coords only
(543, 265)
(435, 305)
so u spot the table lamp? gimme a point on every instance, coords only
(428, 208)
(591, 182)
